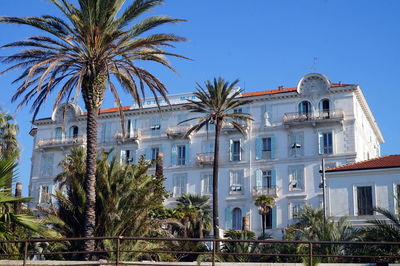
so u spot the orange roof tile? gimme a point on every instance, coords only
(388, 161)
(111, 110)
(257, 93)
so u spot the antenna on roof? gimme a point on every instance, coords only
(314, 65)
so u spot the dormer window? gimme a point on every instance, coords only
(324, 108)
(305, 109)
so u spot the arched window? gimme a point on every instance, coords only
(58, 133)
(324, 108)
(73, 132)
(305, 108)
(237, 219)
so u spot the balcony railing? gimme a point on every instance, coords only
(133, 135)
(268, 191)
(325, 116)
(79, 140)
(176, 132)
(203, 159)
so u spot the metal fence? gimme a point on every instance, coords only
(295, 251)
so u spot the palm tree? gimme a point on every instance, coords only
(216, 103)
(196, 212)
(86, 53)
(126, 195)
(265, 204)
(8, 135)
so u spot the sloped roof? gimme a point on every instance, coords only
(389, 161)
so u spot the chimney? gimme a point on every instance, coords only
(280, 87)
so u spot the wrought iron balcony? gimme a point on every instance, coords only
(313, 117)
(205, 159)
(58, 142)
(268, 191)
(176, 132)
(228, 127)
(134, 135)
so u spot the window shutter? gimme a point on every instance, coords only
(231, 150)
(274, 218)
(321, 143)
(108, 131)
(123, 157)
(240, 149)
(228, 218)
(273, 177)
(183, 184)
(71, 132)
(174, 155)
(300, 177)
(231, 181)
(273, 148)
(147, 154)
(259, 178)
(187, 154)
(360, 200)
(259, 146)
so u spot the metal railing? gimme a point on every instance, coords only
(265, 190)
(61, 141)
(206, 158)
(133, 135)
(313, 116)
(307, 251)
(176, 132)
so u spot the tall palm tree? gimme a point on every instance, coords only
(8, 135)
(87, 52)
(216, 104)
(196, 212)
(266, 203)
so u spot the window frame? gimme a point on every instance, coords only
(179, 177)
(204, 177)
(236, 220)
(291, 169)
(355, 198)
(291, 213)
(44, 197)
(236, 188)
(181, 150)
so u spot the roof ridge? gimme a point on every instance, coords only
(348, 166)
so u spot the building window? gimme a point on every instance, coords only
(44, 194)
(58, 133)
(325, 143)
(237, 219)
(266, 148)
(155, 126)
(46, 165)
(236, 181)
(154, 151)
(126, 157)
(364, 200)
(296, 210)
(305, 110)
(180, 185)
(267, 178)
(296, 144)
(181, 159)
(206, 184)
(398, 198)
(235, 150)
(296, 178)
(73, 132)
(324, 108)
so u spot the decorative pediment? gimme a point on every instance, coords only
(313, 85)
(66, 112)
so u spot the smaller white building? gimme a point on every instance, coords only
(353, 190)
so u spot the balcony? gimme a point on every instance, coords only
(133, 136)
(268, 191)
(60, 142)
(295, 118)
(228, 127)
(205, 159)
(177, 132)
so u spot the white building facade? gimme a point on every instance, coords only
(293, 129)
(354, 190)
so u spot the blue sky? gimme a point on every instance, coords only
(265, 44)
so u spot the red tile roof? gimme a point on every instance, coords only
(389, 161)
(257, 93)
(111, 110)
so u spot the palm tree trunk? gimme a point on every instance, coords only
(215, 182)
(90, 182)
(263, 223)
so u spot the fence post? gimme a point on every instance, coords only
(213, 252)
(310, 253)
(118, 247)
(25, 252)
